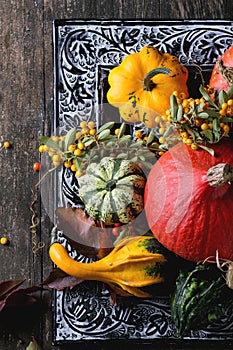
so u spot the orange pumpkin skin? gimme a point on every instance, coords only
(186, 214)
(217, 79)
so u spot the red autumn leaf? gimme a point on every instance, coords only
(59, 280)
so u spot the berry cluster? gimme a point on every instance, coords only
(78, 148)
(196, 122)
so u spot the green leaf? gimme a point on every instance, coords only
(222, 97)
(174, 107)
(179, 113)
(105, 126)
(151, 137)
(208, 113)
(122, 130)
(70, 137)
(230, 92)
(89, 142)
(78, 163)
(168, 131)
(122, 156)
(50, 143)
(125, 139)
(103, 135)
(227, 120)
(200, 107)
(210, 150)
(207, 97)
(209, 135)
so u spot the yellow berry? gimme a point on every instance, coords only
(7, 144)
(184, 134)
(78, 173)
(226, 129)
(230, 102)
(72, 147)
(73, 168)
(138, 134)
(85, 131)
(41, 149)
(117, 131)
(46, 148)
(81, 145)
(3, 240)
(161, 131)
(91, 125)
(204, 126)
(194, 146)
(162, 140)
(78, 135)
(67, 164)
(92, 132)
(160, 153)
(224, 106)
(188, 141)
(83, 124)
(78, 152)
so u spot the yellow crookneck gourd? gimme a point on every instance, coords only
(133, 263)
(142, 84)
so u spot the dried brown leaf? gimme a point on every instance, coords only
(82, 231)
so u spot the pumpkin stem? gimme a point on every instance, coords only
(220, 174)
(148, 84)
(227, 72)
(110, 185)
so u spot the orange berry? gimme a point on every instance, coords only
(7, 144)
(92, 132)
(78, 152)
(41, 149)
(36, 166)
(81, 145)
(3, 240)
(67, 164)
(226, 129)
(72, 147)
(204, 126)
(91, 125)
(83, 124)
(138, 134)
(78, 173)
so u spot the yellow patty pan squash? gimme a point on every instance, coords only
(142, 84)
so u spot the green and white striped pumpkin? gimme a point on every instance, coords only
(112, 190)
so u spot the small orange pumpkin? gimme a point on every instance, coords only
(142, 84)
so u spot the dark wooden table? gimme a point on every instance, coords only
(26, 103)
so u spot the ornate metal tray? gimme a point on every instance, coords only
(84, 52)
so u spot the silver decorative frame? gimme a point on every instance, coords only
(84, 52)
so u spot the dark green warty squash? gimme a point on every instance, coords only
(112, 190)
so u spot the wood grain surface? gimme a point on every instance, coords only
(26, 107)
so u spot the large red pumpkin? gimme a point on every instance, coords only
(187, 214)
(222, 74)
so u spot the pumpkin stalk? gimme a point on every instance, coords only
(148, 84)
(227, 72)
(220, 174)
(133, 263)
